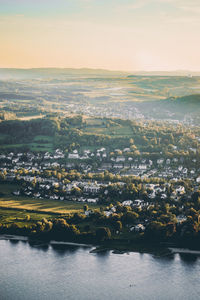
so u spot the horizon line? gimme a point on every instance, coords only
(101, 69)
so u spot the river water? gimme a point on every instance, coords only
(72, 273)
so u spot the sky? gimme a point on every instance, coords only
(124, 35)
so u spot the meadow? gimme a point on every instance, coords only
(14, 208)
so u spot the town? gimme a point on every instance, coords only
(91, 176)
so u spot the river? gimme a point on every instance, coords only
(72, 273)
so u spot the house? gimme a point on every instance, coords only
(180, 190)
(150, 162)
(194, 150)
(185, 170)
(28, 193)
(108, 213)
(138, 228)
(87, 151)
(152, 195)
(106, 166)
(91, 188)
(198, 179)
(118, 166)
(175, 160)
(142, 167)
(127, 203)
(55, 164)
(133, 166)
(181, 218)
(160, 161)
(120, 158)
(36, 195)
(88, 212)
(138, 203)
(16, 193)
(84, 156)
(101, 150)
(15, 160)
(127, 150)
(92, 200)
(73, 155)
(69, 187)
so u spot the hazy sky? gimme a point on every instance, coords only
(112, 34)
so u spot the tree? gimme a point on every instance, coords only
(103, 233)
(118, 226)
(27, 218)
(130, 217)
(85, 207)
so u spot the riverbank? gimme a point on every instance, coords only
(27, 239)
(115, 247)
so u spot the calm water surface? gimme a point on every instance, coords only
(72, 273)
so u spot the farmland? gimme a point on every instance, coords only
(14, 208)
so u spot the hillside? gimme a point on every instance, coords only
(55, 72)
(190, 99)
(187, 104)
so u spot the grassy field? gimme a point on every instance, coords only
(41, 205)
(47, 139)
(114, 131)
(8, 216)
(41, 147)
(102, 126)
(12, 207)
(35, 145)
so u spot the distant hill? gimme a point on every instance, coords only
(190, 99)
(15, 73)
(8, 73)
(182, 105)
(166, 73)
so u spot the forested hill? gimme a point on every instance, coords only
(180, 106)
(80, 131)
(55, 73)
(190, 99)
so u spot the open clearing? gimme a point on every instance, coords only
(26, 204)
(40, 205)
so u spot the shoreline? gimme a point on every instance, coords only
(184, 250)
(155, 249)
(14, 237)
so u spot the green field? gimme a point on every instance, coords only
(107, 127)
(8, 216)
(34, 145)
(40, 205)
(46, 138)
(12, 207)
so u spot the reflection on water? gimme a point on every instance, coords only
(14, 241)
(50, 272)
(63, 249)
(167, 258)
(39, 245)
(188, 258)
